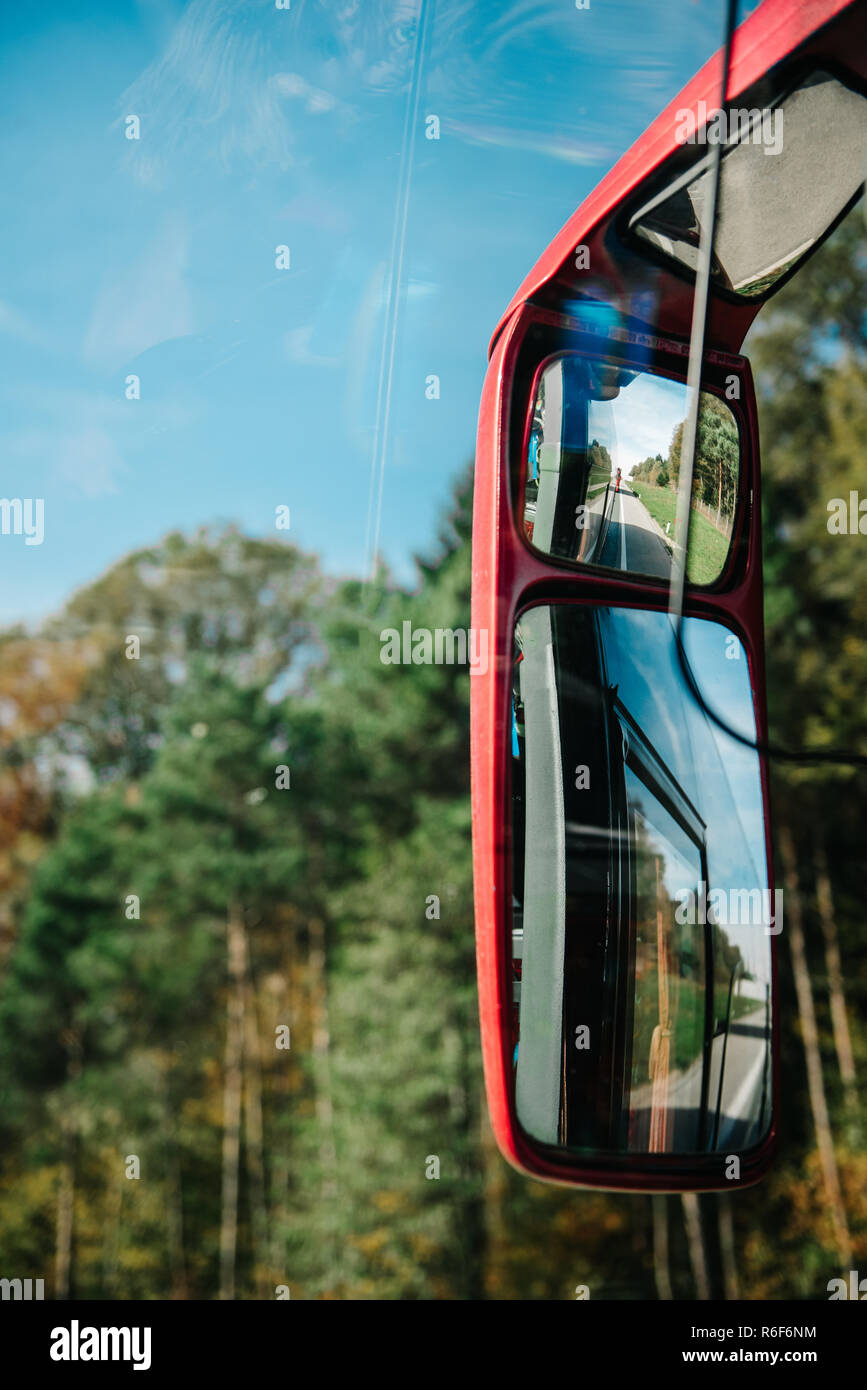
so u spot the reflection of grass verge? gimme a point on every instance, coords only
(686, 999)
(708, 548)
(687, 1016)
(745, 1004)
(661, 502)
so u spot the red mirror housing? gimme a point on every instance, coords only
(649, 308)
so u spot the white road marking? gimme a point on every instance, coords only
(746, 1092)
(622, 534)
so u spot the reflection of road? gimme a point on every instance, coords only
(634, 541)
(745, 1061)
(683, 1093)
(746, 1055)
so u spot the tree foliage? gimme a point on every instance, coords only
(259, 769)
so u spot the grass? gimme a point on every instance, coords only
(687, 1007)
(687, 1016)
(708, 547)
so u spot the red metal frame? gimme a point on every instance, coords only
(673, 369)
(509, 576)
(770, 36)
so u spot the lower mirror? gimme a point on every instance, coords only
(642, 919)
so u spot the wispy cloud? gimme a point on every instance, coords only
(145, 303)
(19, 326)
(210, 92)
(81, 439)
(297, 347)
(91, 461)
(547, 142)
(316, 100)
(86, 457)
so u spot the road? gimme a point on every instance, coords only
(745, 1062)
(634, 541)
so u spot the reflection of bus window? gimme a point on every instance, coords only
(664, 1079)
(728, 967)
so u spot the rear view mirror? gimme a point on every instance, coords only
(626, 917)
(602, 468)
(773, 210)
(641, 958)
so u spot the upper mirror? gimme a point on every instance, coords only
(603, 464)
(772, 211)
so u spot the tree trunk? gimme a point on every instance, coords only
(232, 1086)
(661, 1268)
(496, 1272)
(697, 1257)
(810, 1036)
(839, 1019)
(66, 1188)
(283, 1007)
(727, 1246)
(112, 1226)
(174, 1195)
(175, 1216)
(253, 1144)
(471, 1211)
(322, 1080)
(321, 1058)
(65, 1204)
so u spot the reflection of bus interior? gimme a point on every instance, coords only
(669, 1055)
(569, 489)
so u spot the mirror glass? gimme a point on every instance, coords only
(779, 189)
(603, 464)
(642, 920)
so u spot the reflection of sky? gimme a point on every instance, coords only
(663, 837)
(262, 127)
(640, 422)
(719, 775)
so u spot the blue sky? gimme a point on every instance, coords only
(640, 422)
(156, 257)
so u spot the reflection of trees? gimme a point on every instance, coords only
(717, 456)
(598, 457)
(726, 955)
(717, 460)
(651, 470)
(684, 981)
(681, 990)
(728, 967)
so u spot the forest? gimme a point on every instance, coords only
(239, 1051)
(716, 462)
